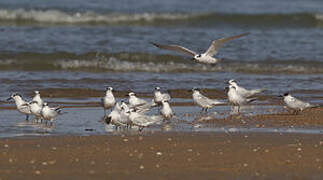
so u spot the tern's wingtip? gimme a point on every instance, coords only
(155, 44)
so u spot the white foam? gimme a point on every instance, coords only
(56, 16)
(114, 64)
(319, 17)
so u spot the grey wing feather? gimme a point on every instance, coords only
(216, 44)
(300, 103)
(205, 99)
(212, 101)
(175, 48)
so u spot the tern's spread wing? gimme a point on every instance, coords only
(176, 48)
(216, 44)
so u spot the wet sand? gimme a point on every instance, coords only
(164, 156)
(308, 118)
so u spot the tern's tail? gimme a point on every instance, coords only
(215, 103)
(251, 100)
(59, 111)
(257, 91)
(313, 105)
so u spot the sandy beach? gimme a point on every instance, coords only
(164, 156)
(174, 155)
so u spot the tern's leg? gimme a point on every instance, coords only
(27, 117)
(239, 109)
(202, 110)
(296, 112)
(206, 110)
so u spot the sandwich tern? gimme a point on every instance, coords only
(140, 108)
(134, 101)
(295, 104)
(118, 117)
(204, 102)
(139, 104)
(49, 113)
(166, 110)
(124, 106)
(206, 57)
(21, 105)
(108, 101)
(244, 92)
(159, 96)
(142, 120)
(38, 99)
(114, 115)
(145, 107)
(35, 109)
(237, 99)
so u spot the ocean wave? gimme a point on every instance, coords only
(114, 64)
(127, 62)
(56, 16)
(212, 18)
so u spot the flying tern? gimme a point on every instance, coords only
(206, 57)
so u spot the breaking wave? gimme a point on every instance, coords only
(56, 16)
(60, 17)
(125, 62)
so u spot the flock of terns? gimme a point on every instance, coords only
(133, 113)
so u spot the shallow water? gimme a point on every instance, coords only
(88, 121)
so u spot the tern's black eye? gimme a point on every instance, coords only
(198, 56)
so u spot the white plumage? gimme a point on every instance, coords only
(204, 102)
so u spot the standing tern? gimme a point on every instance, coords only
(142, 120)
(244, 92)
(166, 110)
(49, 113)
(22, 106)
(108, 101)
(206, 57)
(237, 99)
(35, 109)
(204, 102)
(159, 96)
(118, 116)
(140, 105)
(295, 104)
(38, 99)
(134, 101)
